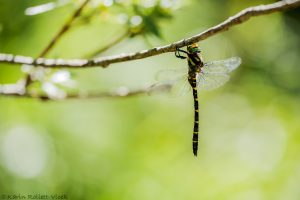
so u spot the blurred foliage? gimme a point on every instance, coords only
(149, 19)
(140, 147)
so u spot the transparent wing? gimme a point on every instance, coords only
(215, 74)
(222, 66)
(170, 75)
(176, 79)
(181, 86)
(210, 81)
(158, 88)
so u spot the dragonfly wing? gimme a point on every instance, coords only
(177, 80)
(175, 87)
(170, 75)
(215, 74)
(222, 66)
(158, 88)
(181, 87)
(210, 81)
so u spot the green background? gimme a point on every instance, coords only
(140, 147)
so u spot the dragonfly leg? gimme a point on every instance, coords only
(177, 53)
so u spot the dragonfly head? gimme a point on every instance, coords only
(193, 48)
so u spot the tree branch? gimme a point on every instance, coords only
(239, 18)
(17, 90)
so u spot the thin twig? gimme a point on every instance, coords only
(55, 39)
(63, 30)
(239, 18)
(111, 44)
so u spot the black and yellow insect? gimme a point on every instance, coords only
(195, 64)
(204, 76)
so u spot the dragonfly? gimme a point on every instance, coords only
(200, 76)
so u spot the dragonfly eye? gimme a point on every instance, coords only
(196, 51)
(193, 50)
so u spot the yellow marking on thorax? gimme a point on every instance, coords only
(191, 61)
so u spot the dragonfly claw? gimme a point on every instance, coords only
(177, 53)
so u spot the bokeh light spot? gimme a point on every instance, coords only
(24, 152)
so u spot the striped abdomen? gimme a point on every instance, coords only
(192, 81)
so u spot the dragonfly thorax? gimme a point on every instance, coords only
(194, 58)
(193, 48)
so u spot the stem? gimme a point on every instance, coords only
(110, 45)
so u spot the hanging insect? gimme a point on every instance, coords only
(201, 76)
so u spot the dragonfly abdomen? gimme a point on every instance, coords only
(192, 81)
